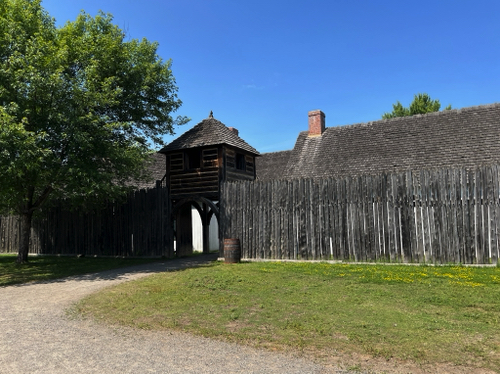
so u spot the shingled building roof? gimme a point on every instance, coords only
(269, 165)
(467, 137)
(209, 132)
(156, 169)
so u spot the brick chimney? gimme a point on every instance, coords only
(232, 129)
(316, 123)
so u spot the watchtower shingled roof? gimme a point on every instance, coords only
(209, 132)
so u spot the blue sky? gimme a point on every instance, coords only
(262, 65)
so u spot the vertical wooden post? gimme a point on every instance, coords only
(205, 222)
(184, 231)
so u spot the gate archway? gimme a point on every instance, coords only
(181, 214)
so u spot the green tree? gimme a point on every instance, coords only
(80, 108)
(421, 104)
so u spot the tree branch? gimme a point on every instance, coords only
(46, 192)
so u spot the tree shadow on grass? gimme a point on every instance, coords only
(177, 264)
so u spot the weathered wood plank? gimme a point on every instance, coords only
(433, 216)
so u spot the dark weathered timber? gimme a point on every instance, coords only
(495, 240)
(324, 220)
(432, 216)
(137, 227)
(437, 216)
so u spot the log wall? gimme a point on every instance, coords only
(139, 227)
(441, 216)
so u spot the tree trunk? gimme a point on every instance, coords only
(24, 240)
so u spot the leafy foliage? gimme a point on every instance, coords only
(421, 104)
(80, 108)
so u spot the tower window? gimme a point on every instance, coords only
(240, 161)
(193, 158)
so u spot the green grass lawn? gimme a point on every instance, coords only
(418, 313)
(42, 268)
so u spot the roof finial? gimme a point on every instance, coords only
(211, 115)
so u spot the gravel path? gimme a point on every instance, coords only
(36, 336)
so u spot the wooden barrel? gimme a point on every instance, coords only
(232, 251)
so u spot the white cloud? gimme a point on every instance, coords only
(252, 87)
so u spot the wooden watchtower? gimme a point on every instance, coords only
(196, 165)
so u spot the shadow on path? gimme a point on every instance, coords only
(123, 273)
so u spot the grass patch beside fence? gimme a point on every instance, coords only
(41, 268)
(418, 313)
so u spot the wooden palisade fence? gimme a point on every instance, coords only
(442, 216)
(139, 227)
